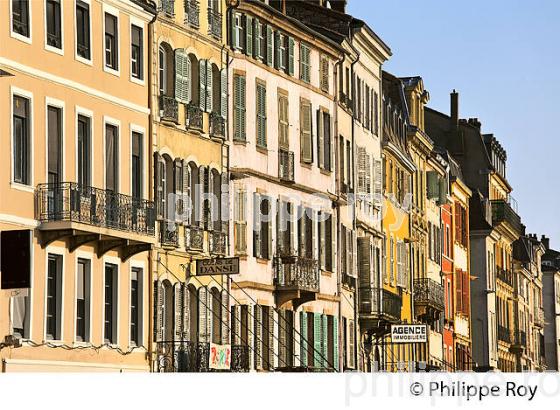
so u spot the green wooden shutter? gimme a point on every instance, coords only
(277, 50)
(320, 142)
(256, 226)
(325, 341)
(303, 345)
(234, 31)
(258, 319)
(239, 108)
(317, 340)
(249, 36)
(202, 87)
(178, 295)
(224, 93)
(179, 60)
(433, 185)
(269, 46)
(257, 37)
(291, 44)
(335, 343)
(203, 315)
(186, 313)
(225, 318)
(209, 87)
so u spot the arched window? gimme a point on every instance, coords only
(168, 311)
(194, 80)
(166, 70)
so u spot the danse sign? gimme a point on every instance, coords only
(409, 333)
(217, 266)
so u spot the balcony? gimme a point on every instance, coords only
(87, 214)
(169, 234)
(167, 7)
(169, 109)
(217, 126)
(286, 165)
(182, 357)
(539, 317)
(239, 359)
(377, 304)
(504, 334)
(194, 238)
(192, 13)
(428, 294)
(296, 279)
(505, 276)
(215, 24)
(194, 117)
(519, 342)
(218, 243)
(502, 212)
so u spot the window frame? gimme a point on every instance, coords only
(115, 313)
(88, 328)
(60, 105)
(137, 129)
(135, 23)
(48, 47)
(78, 57)
(26, 39)
(83, 112)
(140, 269)
(27, 187)
(59, 254)
(115, 123)
(116, 53)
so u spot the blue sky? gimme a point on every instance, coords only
(503, 57)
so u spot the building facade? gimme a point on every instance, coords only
(551, 303)
(75, 222)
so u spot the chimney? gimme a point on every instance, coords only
(338, 5)
(546, 242)
(475, 123)
(454, 109)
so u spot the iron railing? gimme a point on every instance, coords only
(169, 233)
(194, 117)
(72, 202)
(296, 273)
(502, 212)
(505, 276)
(169, 108)
(168, 7)
(218, 243)
(429, 292)
(286, 165)
(215, 23)
(182, 357)
(521, 338)
(217, 126)
(239, 358)
(379, 302)
(539, 317)
(192, 13)
(194, 238)
(504, 334)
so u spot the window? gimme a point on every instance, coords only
(137, 52)
(137, 165)
(324, 139)
(54, 27)
(84, 151)
(240, 222)
(21, 140)
(54, 297)
(111, 157)
(136, 310)
(111, 42)
(324, 73)
(326, 245)
(262, 230)
(83, 48)
(238, 35)
(261, 115)
(20, 17)
(83, 280)
(110, 304)
(54, 144)
(283, 122)
(239, 109)
(305, 63)
(306, 132)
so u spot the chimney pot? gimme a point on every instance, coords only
(546, 242)
(454, 109)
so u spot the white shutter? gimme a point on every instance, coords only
(320, 142)
(378, 188)
(225, 318)
(322, 239)
(209, 88)
(178, 294)
(224, 93)
(158, 311)
(202, 73)
(187, 200)
(258, 332)
(179, 69)
(186, 313)
(203, 329)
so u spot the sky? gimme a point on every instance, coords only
(503, 57)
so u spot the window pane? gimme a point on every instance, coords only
(82, 30)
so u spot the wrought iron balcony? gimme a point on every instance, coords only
(169, 109)
(169, 234)
(183, 357)
(192, 13)
(194, 238)
(239, 358)
(194, 117)
(539, 317)
(504, 334)
(215, 24)
(167, 7)
(218, 243)
(296, 273)
(427, 292)
(502, 212)
(217, 126)
(505, 276)
(71, 202)
(286, 165)
(380, 303)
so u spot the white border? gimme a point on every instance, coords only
(141, 333)
(76, 55)
(14, 91)
(89, 114)
(17, 36)
(115, 13)
(112, 260)
(58, 251)
(112, 121)
(140, 24)
(55, 50)
(51, 102)
(141, 130)
(89, 257)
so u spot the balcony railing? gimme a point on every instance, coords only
(217, 126)
(502, 212)
(192, 13)
(239, 358)
(169, 109)
(505, 276)
(194, 117)
(218, 243)
(168, 7)
(286, 165)
(71, 202)
(504, 334)
(194, 238)
(296, 273)
(379, 302)
(539, 317)
(183, 357)
(521, 338)
(169, 234)
(215, 24)
(429, 292)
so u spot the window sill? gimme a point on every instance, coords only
(137, 81)
(83, 60)
(112, 71)
(263, 261)
(59, 51)
(262, 150)
(22, 187)
(240, 142)
(20, 37)
(325, 172)
(308, 165)
(242, 256)
(326, 273)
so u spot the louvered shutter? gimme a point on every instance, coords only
(317, 340)
(459, 290)
(293, 228)
(249, 36)
(269, 224)
(322, 242)
(291, 59)
(306, 139)
(158, 312)
(225, 318)
(270, 353)
(210, 211)
(303, 345)
(187, 200)
(443, 191)
(433, 185)
(327, 141)
(332, 226)
(234, 39)
(179, 62)
(178, 294)
(335, 344)
(314, 234)
(158, 184)
(282, 339)
(209, 88)
(258, 332)
(320, 143)
(277, 50)
(351, 345)
(361, 153)
(378, 187)
(202, 86)
(201, 201)
(257, 226)
(368, 165)
(257, 49)
(236, 324)
(364, 255)
(301, 231)
(269, 46)
(325, 341)
(224, 93)
(458, 229)
(203, 330)
(186, 313)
